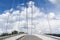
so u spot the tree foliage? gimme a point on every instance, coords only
(15, 32)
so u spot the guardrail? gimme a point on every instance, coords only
(4, 37)
(55, 37)
(15, 37)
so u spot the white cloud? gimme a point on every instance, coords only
(54, 1)
(39, 19)
(51, 15)
(30, 3)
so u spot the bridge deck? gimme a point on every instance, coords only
(30, 37)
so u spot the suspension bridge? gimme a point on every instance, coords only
(28, 34)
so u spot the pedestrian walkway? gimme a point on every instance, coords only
(44, 37)
(15, 37)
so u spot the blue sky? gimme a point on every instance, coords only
(8, 4)
(41, 8)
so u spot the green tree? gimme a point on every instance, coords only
(15, 32)
(21, 32)
(4, 34)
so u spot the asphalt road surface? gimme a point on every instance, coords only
(29, 37)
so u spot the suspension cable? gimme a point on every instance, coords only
(48, 20)
(39, 22)
(49, 24)
(7, 23)
(19, 27)
(26, 26)
(13, 1)
(7, 20)
(31, 17)
(27, 20)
